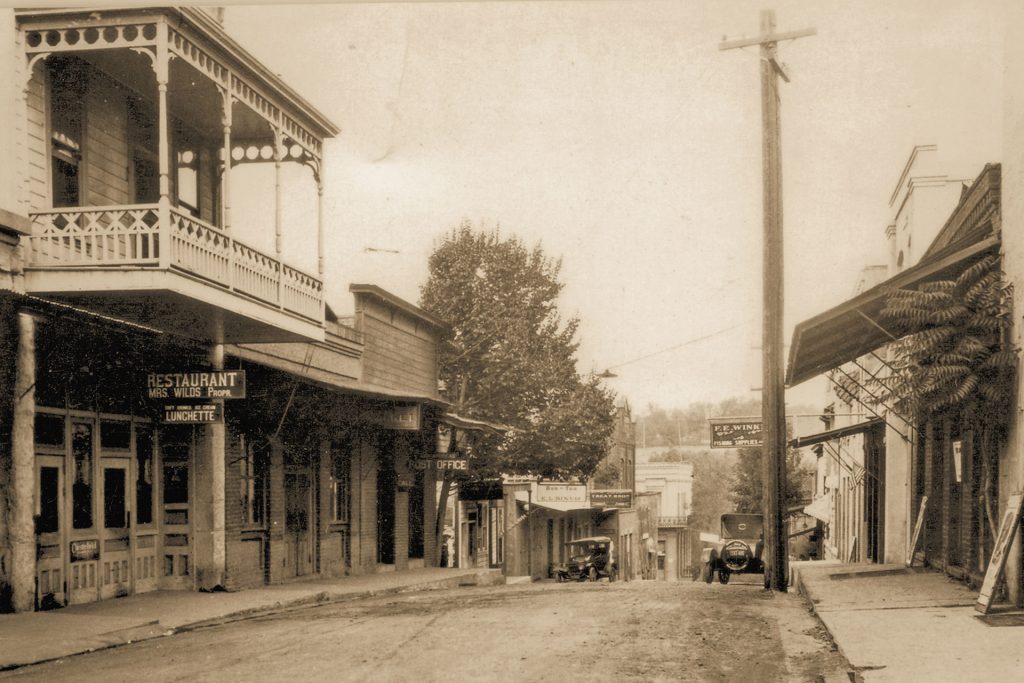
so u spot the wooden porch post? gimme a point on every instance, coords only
(225, 177)
(22, 477)
(161, 64)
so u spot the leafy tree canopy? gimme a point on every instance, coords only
(748, 486)
(511, 358)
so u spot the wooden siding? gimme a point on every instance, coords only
(106, 144)
(38, 164)
(399, 353)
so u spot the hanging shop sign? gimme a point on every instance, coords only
(405, 482)
(958, 459)
(205, 384)
(557, 492)
(443, 464)
(616, 498)
(733, 433)
(85, 551)
(193, 413)
(401, 418)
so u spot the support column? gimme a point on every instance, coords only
(320, 234)
(278, 213)
(225, 177)
(1011, 461)
(22, 476)
(431, 551)
(208, 502)
(161, 65)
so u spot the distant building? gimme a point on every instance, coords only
(674, 482)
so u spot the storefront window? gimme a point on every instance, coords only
(81, 488)
(115, 435)
(50, 430)
(143, 474)
(115, 510)
(340, 460)
(175, 483)
(252, 485)
(49, 500)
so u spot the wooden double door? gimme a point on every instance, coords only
(96, 497)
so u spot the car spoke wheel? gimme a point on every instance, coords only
(592, 575)
(723, 576)
(707, 573)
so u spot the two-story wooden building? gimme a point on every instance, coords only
(130, 147)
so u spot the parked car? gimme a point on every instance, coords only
(590, 559)
(738, 550)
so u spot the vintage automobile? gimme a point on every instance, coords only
(738, 549)
(590, 559)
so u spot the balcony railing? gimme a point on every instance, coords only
(114, 236)
(671, 521)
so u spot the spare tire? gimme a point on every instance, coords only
(736, 555)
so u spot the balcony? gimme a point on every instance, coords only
(135, 255)
(152, 138)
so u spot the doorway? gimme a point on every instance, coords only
(297, 505)
(386, 509)
(874, 494)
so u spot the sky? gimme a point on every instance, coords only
(619, 137)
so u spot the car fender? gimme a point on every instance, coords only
(708, 555)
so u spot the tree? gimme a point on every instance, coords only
(713, 473)
(748, 486)
(509, 357)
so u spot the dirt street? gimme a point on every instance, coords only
(637, 631)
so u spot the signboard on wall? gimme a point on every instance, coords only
(200, 385)
(442, 464)
(616, 498)
(401, 418)
(734, 433)
(194, 413)
(558, 492)
(84, 551)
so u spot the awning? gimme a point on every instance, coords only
(837, 433)
(854, 328)
(820, 509)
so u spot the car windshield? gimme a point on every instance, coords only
(742, 526)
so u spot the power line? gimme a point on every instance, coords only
(678, 346)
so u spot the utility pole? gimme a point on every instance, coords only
(773, 393)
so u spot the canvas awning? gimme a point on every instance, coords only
(837, 433)
(855, 327)
(821, 509)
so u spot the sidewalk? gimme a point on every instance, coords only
(898, 624)
(40, 636)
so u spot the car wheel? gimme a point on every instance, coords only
(706, 573)
(592, 574)
(723, 576)
(613, 575)
(559, 578)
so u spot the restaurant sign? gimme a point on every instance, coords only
(615, 498)
(202, 385)
(733, 433)
(194, 413)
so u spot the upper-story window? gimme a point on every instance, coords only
(67, 90)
